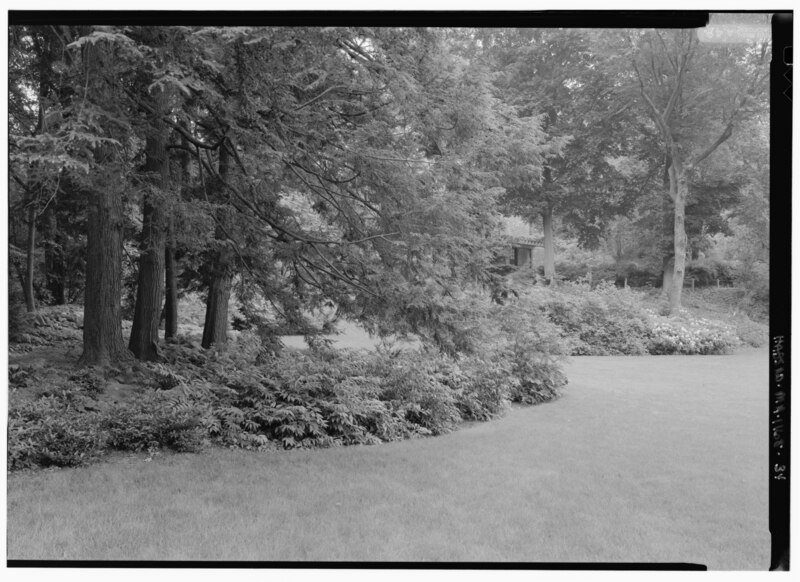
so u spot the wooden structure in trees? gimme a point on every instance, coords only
(523, 242)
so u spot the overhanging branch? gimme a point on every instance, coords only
(726, 133)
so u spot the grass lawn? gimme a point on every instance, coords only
(652, 459)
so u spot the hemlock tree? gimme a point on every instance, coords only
(34, 167)
(358, 166)
(151, 278)
(83, 144)
(97, 116)
(334, 160)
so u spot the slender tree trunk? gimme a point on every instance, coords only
(54, 269)
(102, 322)
(215, 331)
(680, 245)
(150, 287)
(30, 246)
(549, 247)
(20, 275)
(30, 262)
(668, 270)
(171, 283)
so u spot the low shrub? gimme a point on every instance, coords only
(751, 333)
(151, 423)
(66, 429)
(530, 349)
(707, 272)
(481, 388)
(602, 321)
(689, 335)
(45, 433)
(606, 320)
(412, 383)
(257, 398)
(89, 382)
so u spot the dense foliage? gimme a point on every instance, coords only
(363, 171)
(606, 320)
(292, 399)
(359, 166)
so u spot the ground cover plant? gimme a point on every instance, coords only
(258, 396)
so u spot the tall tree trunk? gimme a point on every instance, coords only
(215, 331)
(171, 284)
(668, 271)
(150, 286)
(102, 322)
(54, 269)
(549, 248)
(682, 191)
(30, 256)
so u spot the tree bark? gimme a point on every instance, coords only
(171, 284)
(102, 322)
(549, 248)
(215, 330)
(171, 273)
(668, 270)
(150, 287)
(30, 260)
(54, 269)
(682, 191)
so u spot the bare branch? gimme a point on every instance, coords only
(726, 133)
(653, 109)
(666, 51)
(180, 129)
(673, 99)
(19, 181)
(320, 96)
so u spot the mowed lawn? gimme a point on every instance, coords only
(652, 459)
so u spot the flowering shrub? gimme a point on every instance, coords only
(606, 320)
(690, 335)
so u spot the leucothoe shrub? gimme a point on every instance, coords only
(255, 399)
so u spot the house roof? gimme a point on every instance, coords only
(519, 232)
